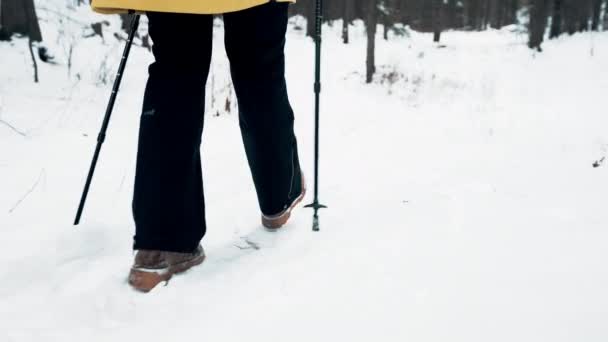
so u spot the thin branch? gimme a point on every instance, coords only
(13, 128)
(28, 192)
(30, 45)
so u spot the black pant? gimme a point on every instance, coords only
(168, 203)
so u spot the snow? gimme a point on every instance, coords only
(463, 205)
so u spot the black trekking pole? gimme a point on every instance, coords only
(318, 22)
(104, 126)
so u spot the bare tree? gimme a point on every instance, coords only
(371, 24)
(473, 14)
(386, 25)
(310, 18)
(596, 14)
(347, 16)
(576, 15)
(570, 16)
(556, 22)
(19, 16)
(451, 14)
(583, 14)
(513, 8)
(387, 14)
(437, 20)
(35, 64)
(538, 23)
(606, 16)
(437, 15)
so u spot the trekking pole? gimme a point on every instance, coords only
(104, 126)
(318, 22)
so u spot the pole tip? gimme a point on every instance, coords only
(315, 224)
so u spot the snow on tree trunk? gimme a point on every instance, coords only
(606, 16)
(596, 14)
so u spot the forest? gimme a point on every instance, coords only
(542, 18)
(459, 148)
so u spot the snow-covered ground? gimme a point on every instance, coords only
(463, 204)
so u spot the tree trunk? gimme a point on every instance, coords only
(347, 16)
(481, 14)
(19, 16)
(371, 26)
(475, 13)
(556, 23)
(451, 17)
(514, 7)
(471, 14)
(437, 22)
(310, 19)
(570, 16)
(596, 13)
(345, 37)
(34, 63)
(583, 15)
(386, 26)
(606, 17)
(500, 14)
(487, 14)
(538, 23)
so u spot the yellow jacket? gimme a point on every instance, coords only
(176, 6)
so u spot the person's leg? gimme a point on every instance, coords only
(168, 202)
(255, 39)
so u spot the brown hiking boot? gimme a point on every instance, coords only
(153, 267)
(274, 222)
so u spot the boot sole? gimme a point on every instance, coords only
(144, 280)
(277, 222)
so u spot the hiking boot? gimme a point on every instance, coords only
(152, 267)
(276, 221)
